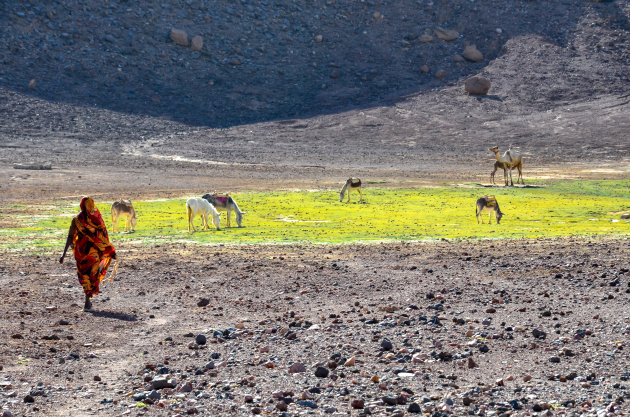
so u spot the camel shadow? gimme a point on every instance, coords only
(510, 186)
(113, 315)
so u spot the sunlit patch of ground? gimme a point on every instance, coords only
(578, 208)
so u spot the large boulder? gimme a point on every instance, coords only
(180, 37)
(471, 53)
(477, 86)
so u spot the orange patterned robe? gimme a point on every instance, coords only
(92, 249)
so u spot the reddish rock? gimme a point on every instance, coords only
(477, 86)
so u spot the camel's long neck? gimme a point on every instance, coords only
(345, 187)
(496, 155)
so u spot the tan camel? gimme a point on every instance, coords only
(510, 160)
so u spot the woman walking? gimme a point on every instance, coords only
(91, 247)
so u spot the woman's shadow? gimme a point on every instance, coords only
(113, 315)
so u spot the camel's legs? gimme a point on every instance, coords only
(360, 195)
(229, 213)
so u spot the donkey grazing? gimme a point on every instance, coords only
(351, 184)
(488, 203)
(224, 202)
(196, 206)
(124, 208)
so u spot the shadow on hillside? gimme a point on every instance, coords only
(239, 79)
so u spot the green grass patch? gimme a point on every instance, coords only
(580, 208)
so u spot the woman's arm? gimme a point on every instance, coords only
(71, 231)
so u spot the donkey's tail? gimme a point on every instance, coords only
(188, 214)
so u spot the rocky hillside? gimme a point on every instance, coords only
(226, 62)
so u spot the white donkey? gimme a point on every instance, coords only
(196, 206)
(124, 208)
(351, 184)
(226, 203)
(488, 203)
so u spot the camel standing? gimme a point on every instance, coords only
(510, 160)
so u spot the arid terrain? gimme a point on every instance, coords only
(446, 328)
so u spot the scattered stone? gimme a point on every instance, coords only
(319, 38)
(32, 84)
(307, 403)
(477, 86)
(200, 339)
(196, 43)
(414, 408)
(440, 74)
(203, 302)
(446, 34)
(539, 334)
(160, 382)
(186, 387)
(179, 36)
(424, 69)
(472, 54)
(297, 367)
(357, 404)
(386, 345)
(426, 37)
(321, 372)
(389, 400)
